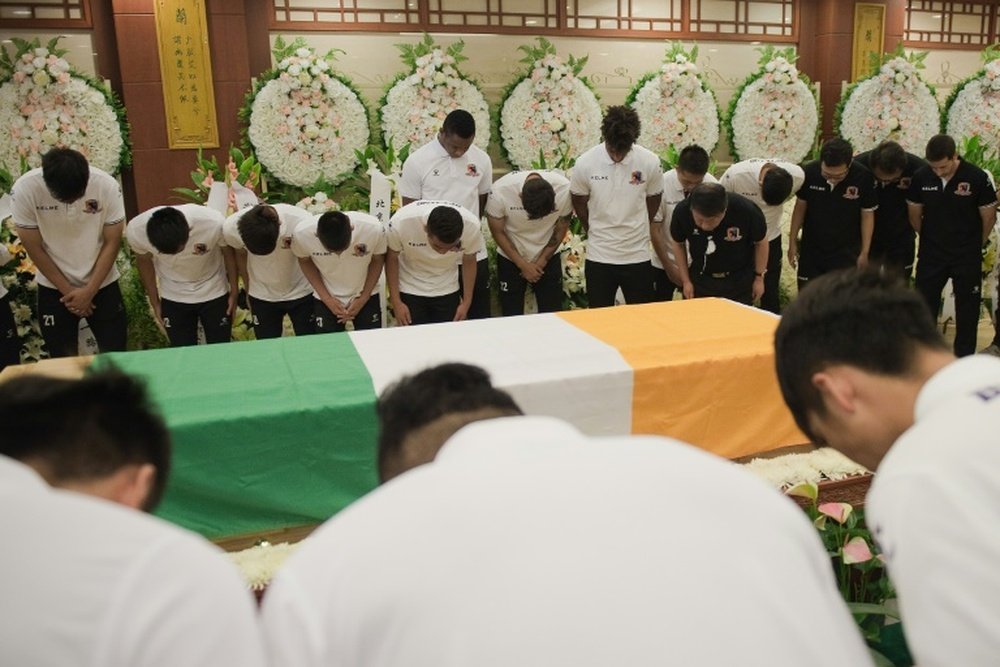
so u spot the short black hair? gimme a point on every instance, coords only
(776, 185)
(538, 198)
(168, 230)
(84, 429)
(888, 157)
(940, 147)
(620, 128)
(417, 400)
(867, 318)
(836, 151)
(460, 123)
(334, 231)
(693, 160)
(708, 199)
(259, 228)
(445, 223)
(66, 174)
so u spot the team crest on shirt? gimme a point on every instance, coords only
(636, 178)
(436, 172)
(964, 189)
(91, 206)
(360, 249)
(200, 249)
(286, 242)
(470, 170)
(904, 183)
(733, 234)
(851, 192)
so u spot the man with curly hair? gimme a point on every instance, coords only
(616, 189)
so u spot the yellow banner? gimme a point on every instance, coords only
(869, 33)
(186, 70)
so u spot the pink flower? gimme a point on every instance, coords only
(207, 181)
(856, 551)
(836, 511)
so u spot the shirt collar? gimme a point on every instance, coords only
(14, 474)
(497, 438)
(959, 377)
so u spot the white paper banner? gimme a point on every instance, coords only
(245, 197)
(380, 205)
(218, 197)
(5, 204)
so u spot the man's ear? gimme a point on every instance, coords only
(134, 485)
(836, 388)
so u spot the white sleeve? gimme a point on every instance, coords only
(382, 244)
(292, 635)
(231, 233)
(579, 184)
(410, 185)
(494, 207)
(654, 184)
(22, 206)
(486, 182)
(115, 212)
(135, 234)
(181, 604)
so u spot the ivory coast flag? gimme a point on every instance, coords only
(279, 433)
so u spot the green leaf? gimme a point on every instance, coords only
(869, 608)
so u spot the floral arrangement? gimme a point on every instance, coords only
(241, 168)
(774, 112)
(549, 113)
(45, 103)
(258, 564)
(675, 105)
(573, 252)
(18, 276)
(416, 103)
(973, 108)
(893, 102)
(318, 203)
(790, 470)
(304, 121)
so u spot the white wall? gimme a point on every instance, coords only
(79, 46)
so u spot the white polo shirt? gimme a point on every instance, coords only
(934, 507)
(526, 542)
(673, 194)
(88, 582)
(528, 236)
(277, 276)
(343, 274)
(430, 173)
(71, 233)
(197, 273)
(743, 178)
(619, 220)
(422, 270)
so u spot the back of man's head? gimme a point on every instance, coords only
(420, 412)
(82, 433)
(538, 198)
(776, 185)
(459, 123)
(66, 174)
(333, 229)
(940, 147)
(888, 158)
(259, 228)
(693, 160)
(168, 230)
(708, 199)
(868, 319)
(620, 128)
(836, 152)
(445, 224)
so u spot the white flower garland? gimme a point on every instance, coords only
(676, 110)
(318, 203)
(258, 565)
(416, 105)
(45, 105)
(976, 109)
(895, 103)
(305, 124)
(775, 115)
(786, 471)
(552, 112)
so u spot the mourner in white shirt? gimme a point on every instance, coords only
(452, 168)
(70, 217)
(768, 183)
(523, 541)
(691, 171)
(863, 368)
(426, 238)
(188, 272)
(275, 283)
(528, 213)
(616, 188)
(87, 578)
(342, 255)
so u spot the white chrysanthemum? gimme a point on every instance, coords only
(550, 112)
(39, 113)
(976, 109)
(676, 110)
(257, 565)
(775, 116)
(306, 127)
(786, 471)
(416, 106)
(894, 104)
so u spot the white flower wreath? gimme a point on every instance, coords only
(415, 105)
(549, 116)
(675, 105)
(305, 121)
(774, 114)
(973, 110)
(894, 102)
(44, 103)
